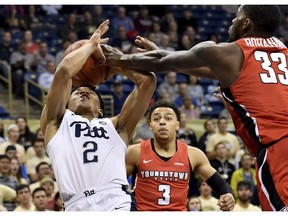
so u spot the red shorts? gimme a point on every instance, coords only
(272, 177)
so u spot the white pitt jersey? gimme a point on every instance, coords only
(86, 155)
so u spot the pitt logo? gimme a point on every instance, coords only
(83, 129)
(89, 192)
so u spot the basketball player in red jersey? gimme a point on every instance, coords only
(253, 75)
(163, 166)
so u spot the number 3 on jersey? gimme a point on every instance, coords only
(270, 75)
(165, 199)
(89, 153)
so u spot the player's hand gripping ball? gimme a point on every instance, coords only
(89, 74)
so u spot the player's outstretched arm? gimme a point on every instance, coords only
(136, 103)
(59, 92)
(200, 164)
(158, 60)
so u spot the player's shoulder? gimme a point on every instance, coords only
(134, 153)
(195, 153)
(134, 147)
(193, 149)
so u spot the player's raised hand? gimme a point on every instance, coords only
(99, 32)
(226, 202)
(146, 44)
(96, 39)
(112, 55)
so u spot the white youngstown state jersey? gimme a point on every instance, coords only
(86, 155)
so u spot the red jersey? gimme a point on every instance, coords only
(258, 99)
(160, 185)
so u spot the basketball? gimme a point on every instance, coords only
(88, 75)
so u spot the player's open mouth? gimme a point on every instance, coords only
(84, 96)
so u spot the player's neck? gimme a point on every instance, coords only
(165, 149)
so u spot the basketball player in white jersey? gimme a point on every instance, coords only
(86, 150)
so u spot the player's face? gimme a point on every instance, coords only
(235, 31)
(84, 98)
(164, 123)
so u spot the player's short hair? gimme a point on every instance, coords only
(267, 18)
(94, 89)
(163, 104)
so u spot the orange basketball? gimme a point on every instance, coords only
(88, 75)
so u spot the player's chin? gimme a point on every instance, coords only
(162, 136)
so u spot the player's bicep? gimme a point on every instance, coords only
(201, 163)
(132, 159)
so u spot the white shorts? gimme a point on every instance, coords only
(106, 199)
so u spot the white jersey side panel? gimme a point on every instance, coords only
(86, 155)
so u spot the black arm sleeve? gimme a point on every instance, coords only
(219, 185)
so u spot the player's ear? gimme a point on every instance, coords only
(100, 113)
(247, 25)
(150, 126)
(177, 125)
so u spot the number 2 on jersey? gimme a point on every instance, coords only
(270, 75)
(165, 200)
(91, 147)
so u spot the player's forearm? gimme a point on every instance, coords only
(75, 60)
(139, 77)
(162, 61)
(148, 61)
(219, 185)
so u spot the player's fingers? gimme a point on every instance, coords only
(103, 28)
(104, 40)
(141, 50)
(105, 48)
